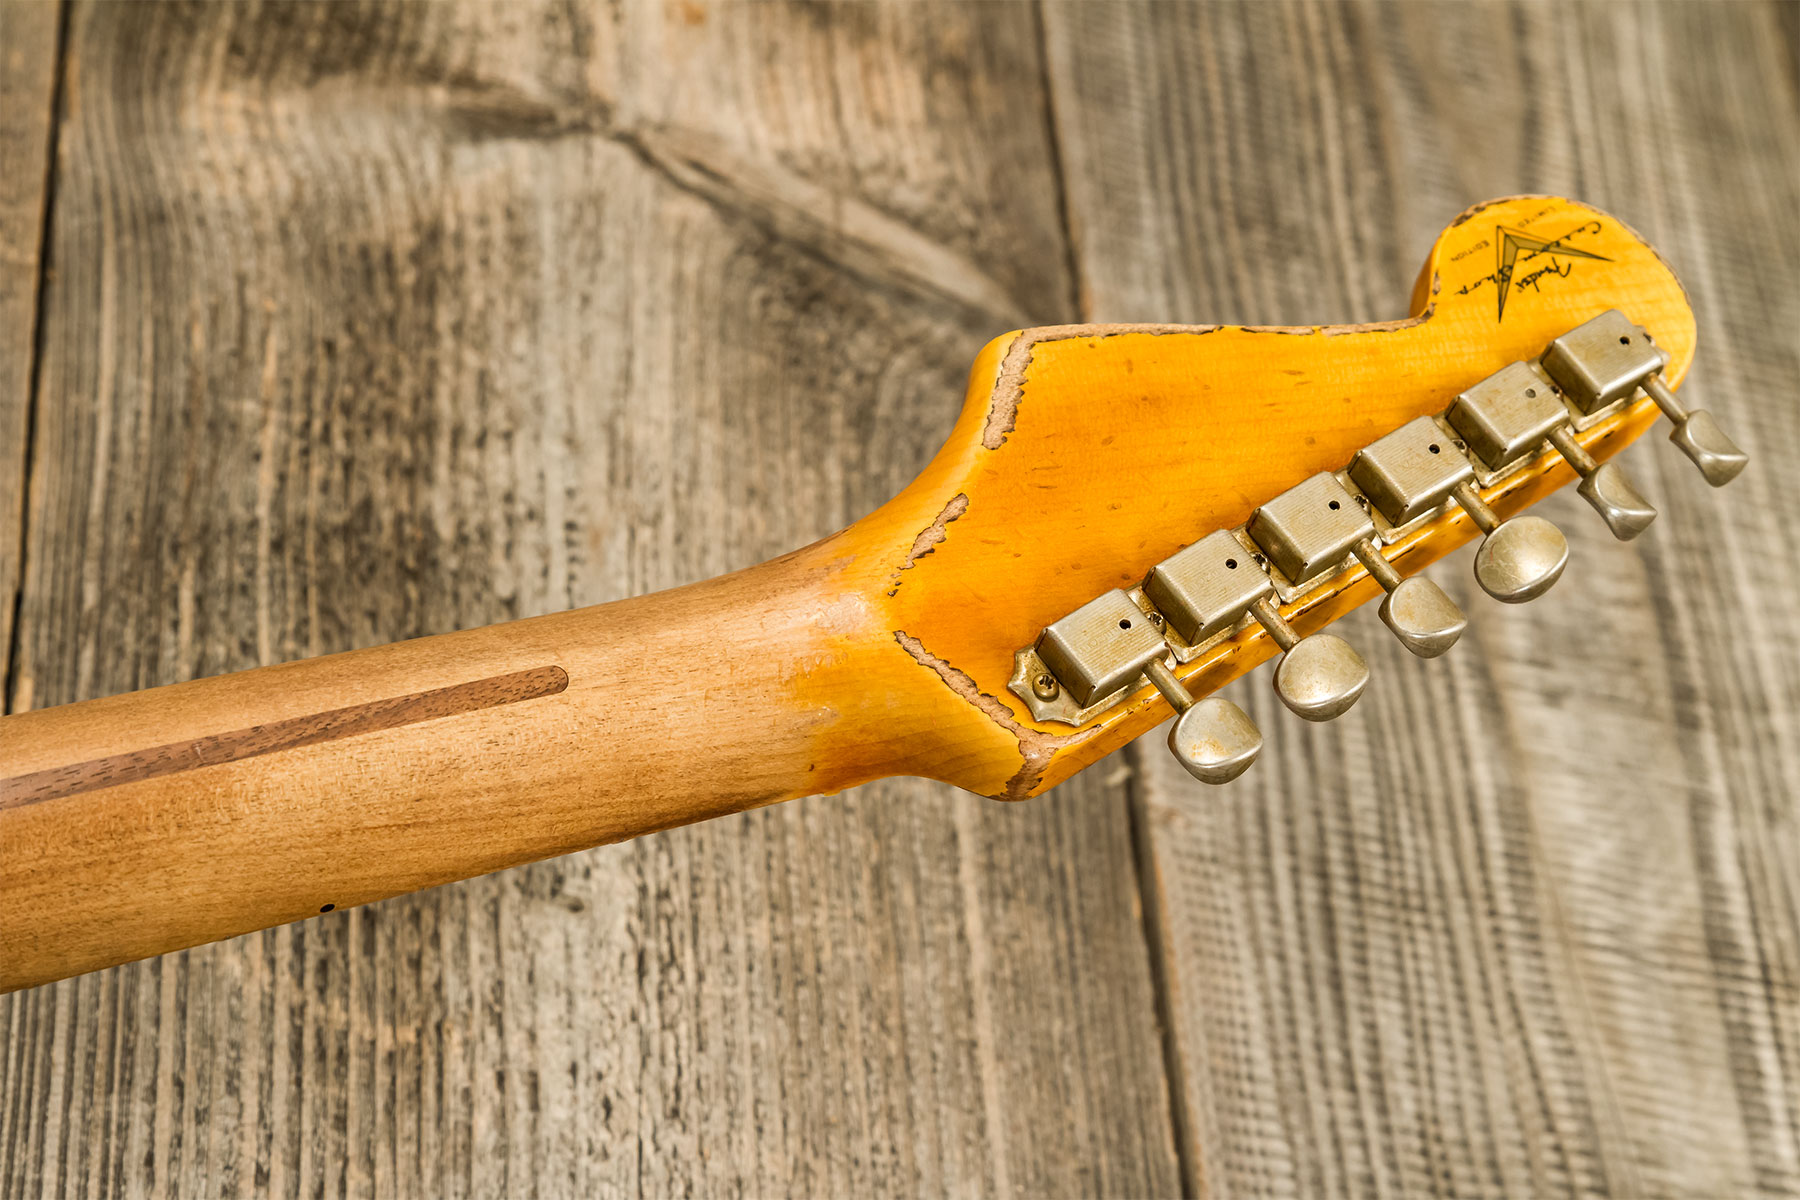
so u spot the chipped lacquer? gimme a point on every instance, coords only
(143, 823)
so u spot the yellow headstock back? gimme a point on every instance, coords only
(1086, 454)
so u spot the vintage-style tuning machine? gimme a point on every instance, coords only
(1319, 529)
(1309, 530)
(1211, 585)
(1605, 486)
(1607, 359)
(1518, 559)
(1502, 419)
(1107, 644)
(1214, 739)
(1513, 412)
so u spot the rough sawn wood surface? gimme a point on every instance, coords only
(360, 322)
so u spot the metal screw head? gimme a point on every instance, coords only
(1521, 559)
(1045, 687)
(1215, 740)
(1426, 621)
(1321, 677)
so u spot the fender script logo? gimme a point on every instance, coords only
(1514, 246)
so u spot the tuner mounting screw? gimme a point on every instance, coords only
(1045, 687)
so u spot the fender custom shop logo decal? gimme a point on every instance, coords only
(1527, 262)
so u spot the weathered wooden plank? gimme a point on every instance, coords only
(28, 55)
(374, 321)
(1525, 922)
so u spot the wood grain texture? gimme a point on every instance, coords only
(294, 733)
(1527, 921)
(28, 58)
(372, 321)
(156, 820)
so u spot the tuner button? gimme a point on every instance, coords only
(1318, 677)
(1700, 438)
(1426, 621)
(1606, 487)
(1215, 740)
(1519, 559)
(1612, 494)
(1321, 677)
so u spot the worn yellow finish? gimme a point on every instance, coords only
(140, 824)
(1087, 454)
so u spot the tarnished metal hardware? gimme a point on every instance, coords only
(1308, 530)
(1213, 739)
(1311, 533)
(1052, 703)
(1204, 590)
(1319, 677)
(1426, 621)
(1101, 647)
(1605, 487)
(1519, 559)
(1602, 360)
(1609, 358)
(1507, 416)
(1699, 437)
(1409, 473)
(1208, 588)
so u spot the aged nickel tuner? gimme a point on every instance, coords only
(1608, 358)
(1214, 739)
(1511, 414)
(1309, 529)
(1106, 645)
(1210, 586)
(1321, 528)
(1502, 419)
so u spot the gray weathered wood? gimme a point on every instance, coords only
(28, 59)
(368, 322)
(1527, 921)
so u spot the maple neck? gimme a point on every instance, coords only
(147, 822)
(1084, 457)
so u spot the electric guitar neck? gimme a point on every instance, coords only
(1123, 520)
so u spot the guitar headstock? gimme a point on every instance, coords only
(1013, 584)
